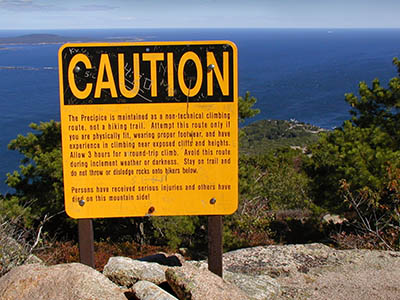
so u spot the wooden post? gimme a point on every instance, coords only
(86, 242)
(215, 244)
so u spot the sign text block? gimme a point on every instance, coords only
(149, 128)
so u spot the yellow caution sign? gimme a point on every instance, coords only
(149, 128)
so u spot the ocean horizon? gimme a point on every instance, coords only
(300, 74)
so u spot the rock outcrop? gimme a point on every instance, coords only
(146, 290)
(61, 282)
(316, 271)
(190, 282)
(256, 287)
(312, 271)
(125, 271)
(175, 260)
(12, 253)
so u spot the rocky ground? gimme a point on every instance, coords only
(312, 271)
(316, 271)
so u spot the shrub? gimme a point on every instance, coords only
(14, 250)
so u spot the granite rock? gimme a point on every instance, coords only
(61, 282)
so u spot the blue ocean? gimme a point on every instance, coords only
(299, 74)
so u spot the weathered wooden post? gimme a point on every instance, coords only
(86, 242)
(215, 244)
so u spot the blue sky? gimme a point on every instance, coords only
(70, 14)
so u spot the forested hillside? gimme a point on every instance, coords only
(266, 135)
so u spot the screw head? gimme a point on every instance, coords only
(213, 201)
(81, 202)
(210, 67)
(77, 69)
(151, 210)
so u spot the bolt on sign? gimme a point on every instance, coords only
(149, 128)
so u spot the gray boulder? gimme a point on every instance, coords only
(281, 261)
(61, 282)
(146, 290)
(126, 271)
(175, 260)
(190, 282)
(33, 259)
(13, 253)
(257, 287)
(334, 219)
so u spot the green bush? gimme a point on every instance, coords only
(176, 231)
(273, 181)
(361, 150)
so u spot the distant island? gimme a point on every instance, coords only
(40, 39)
(37, 39)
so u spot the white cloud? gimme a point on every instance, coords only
(24, 5)
(98, 7)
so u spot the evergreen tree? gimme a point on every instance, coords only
(378, 107)
(362, 151)
(246, 109)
